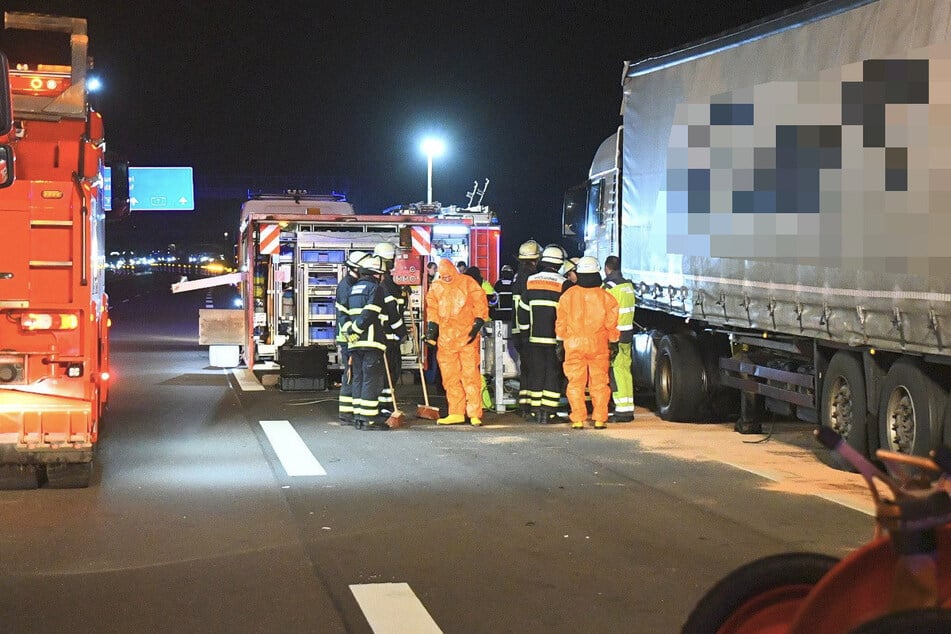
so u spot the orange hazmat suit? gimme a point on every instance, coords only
(586, 323)
(454, 302)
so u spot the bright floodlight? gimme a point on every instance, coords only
(93, 84)
(432, 146)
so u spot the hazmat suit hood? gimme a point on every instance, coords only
(447, 270)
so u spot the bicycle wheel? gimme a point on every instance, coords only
(924, 621)
(759, 595)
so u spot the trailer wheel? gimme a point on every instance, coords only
(910, 409)
(68, 475)
(678, 379)
(768, 589)
(844, 406)
(923, 621)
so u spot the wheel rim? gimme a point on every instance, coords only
(900, 420)
(663, 382)
(840, 407)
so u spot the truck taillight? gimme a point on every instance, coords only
(49, 321)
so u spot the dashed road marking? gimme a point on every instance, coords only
(393, 608)
(291, 450)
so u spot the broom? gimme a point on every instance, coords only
(396, 417)
(424, 411)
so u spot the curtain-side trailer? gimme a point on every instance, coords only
(780, 197)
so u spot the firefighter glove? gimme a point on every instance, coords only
(352, 338)
(614, 347)
(432, 334)
(560, 351)
(476, 327)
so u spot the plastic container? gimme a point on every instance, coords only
(326, 333)
(322, 257)
(322, 307)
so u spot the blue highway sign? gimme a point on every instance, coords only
(155, 189)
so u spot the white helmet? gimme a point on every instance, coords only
(553, 255)
(371, 263)
(569, 266)
(385, 250)
(529, 251)
(353, 260)
(588, 264)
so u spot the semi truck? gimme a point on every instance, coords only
(54, 311)
(780, 197)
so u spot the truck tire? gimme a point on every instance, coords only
(68, 475)
(678, 379)
(18, 477)
(910, 409)
(767, 588)
(844, 406)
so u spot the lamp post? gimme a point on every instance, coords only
(431, 147)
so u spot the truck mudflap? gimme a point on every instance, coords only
(41, 428)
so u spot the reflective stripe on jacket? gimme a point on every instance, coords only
(623, 291)
(538, 307)
(366, 305)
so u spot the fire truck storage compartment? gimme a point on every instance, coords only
(322, 257)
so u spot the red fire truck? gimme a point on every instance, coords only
(54, 353)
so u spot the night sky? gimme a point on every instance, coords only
(337, 96)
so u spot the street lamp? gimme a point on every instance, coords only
(431, 147)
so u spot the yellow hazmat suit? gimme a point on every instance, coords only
(457, 305)
(587, 323)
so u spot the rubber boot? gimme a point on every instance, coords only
(451, 419)
(600, 424)
(475, 422)
(577, 425)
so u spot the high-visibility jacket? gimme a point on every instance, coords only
(366, 305)
(393, 294)
(340, 303)
(623, 291)
(525, 270)
(537, 308)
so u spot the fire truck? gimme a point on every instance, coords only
(292, 251)
(54, 352)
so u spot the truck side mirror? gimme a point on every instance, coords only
(119, 169)
(6, 103)
(6, 166)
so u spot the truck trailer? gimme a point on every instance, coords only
(54, 312)
(780, 196)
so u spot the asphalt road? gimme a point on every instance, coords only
(193, 524)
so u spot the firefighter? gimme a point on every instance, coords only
(393, 293)
(536, 314)
(569, 270)
(456, 310)
(623, 292)
(367, 338)
(503, 291)
(528, 255)
(588, 339)
(345, 407)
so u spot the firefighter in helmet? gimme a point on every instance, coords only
(528, 255)
(396, 331)
(367, 339)
(536, 318)
(345, 401)
(456, 310)
(587, 340)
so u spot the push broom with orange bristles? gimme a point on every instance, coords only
(426, 411)
(397, 417)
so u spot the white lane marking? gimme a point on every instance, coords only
(290, 449)
(393, 608)
(247, 381)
